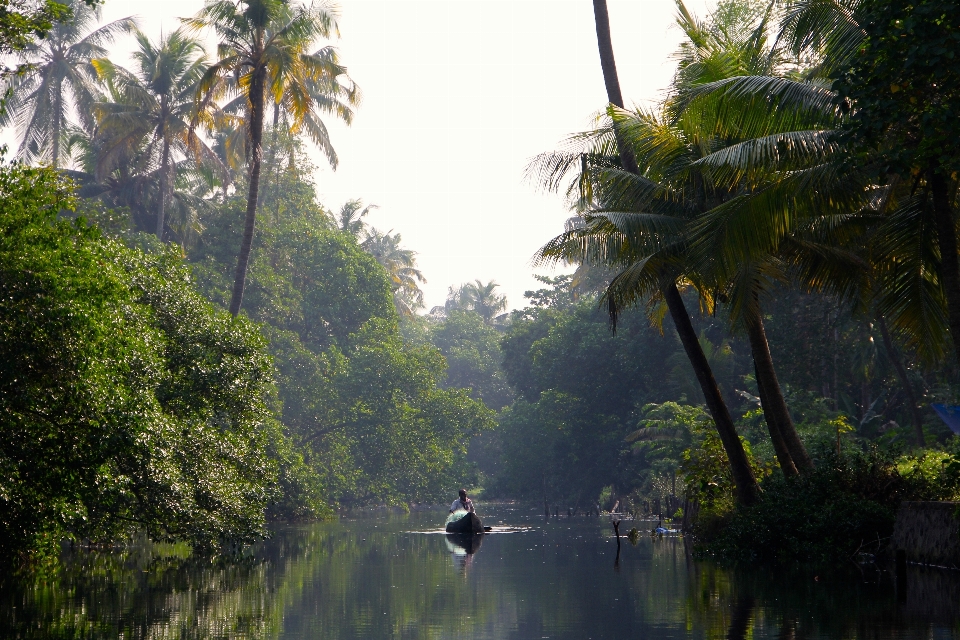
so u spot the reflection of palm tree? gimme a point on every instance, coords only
(151, 119)
(478, 297)
(59, 67)
(400, 265)
(263, 51)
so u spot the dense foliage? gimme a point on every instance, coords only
(128, 401)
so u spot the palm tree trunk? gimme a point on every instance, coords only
(256, 139)
(776, 437)
(276, 173)
(610, 78)
(163, 188)
(743, 476)
(949, 265)
(57, 112)
(904, 381)
(771, 395)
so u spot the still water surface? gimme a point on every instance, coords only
(395, 576)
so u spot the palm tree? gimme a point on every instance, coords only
(744, 478)
(478, 297)
(263, 51)
(906, 279)
(153, 114)
(401, 267)
(350, 217)
(58, 71)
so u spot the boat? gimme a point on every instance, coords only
(464, 522)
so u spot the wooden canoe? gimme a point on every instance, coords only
(469, 524)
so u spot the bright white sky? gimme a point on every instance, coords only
(458, 96)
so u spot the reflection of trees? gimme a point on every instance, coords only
(368, 579)
(154, 592)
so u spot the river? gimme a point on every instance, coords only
(389, 575)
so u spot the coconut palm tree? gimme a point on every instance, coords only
(153, 113)
(58, 73)
(401, 267)
(350, 217)
(478, 297)
(744, 479)
(263, 51)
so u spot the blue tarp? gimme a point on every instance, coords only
(950, 415)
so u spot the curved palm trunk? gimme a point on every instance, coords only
(915, 414)
(163, 189)
(776, 437)
(743, 476)
(949, 264)
(771, 395)
(256, 139)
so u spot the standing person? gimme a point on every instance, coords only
(463, 503)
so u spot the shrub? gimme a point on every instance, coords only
(848, 503)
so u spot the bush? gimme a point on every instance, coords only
(848, 503)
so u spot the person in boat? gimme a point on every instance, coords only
(463, 503)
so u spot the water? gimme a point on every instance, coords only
(396, 576)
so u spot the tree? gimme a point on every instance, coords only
(21, 23)
(350, 217)
(401, 266)
(744, 478)
(128, 403)
(902, 90)
(472, 350)
(266, 51)
(57, 69)
(478, 297)
(151, 121)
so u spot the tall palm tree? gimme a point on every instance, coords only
(58, 73)
(153, 115)
(401, 266)
(744, 479)
(263, 50)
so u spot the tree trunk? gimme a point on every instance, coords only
(743, 477)
(776, 436)
(57, 111)
(947, 239)
(163, 189)
(610, 78)
(276, 175)
(256, 139)
(915, 414)
(771, 394)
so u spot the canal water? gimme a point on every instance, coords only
(389, 575)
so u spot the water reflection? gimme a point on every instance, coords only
(462, 546)
(372, 577)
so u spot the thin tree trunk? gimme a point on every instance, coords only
(947, 239)
(904, 381)
(743, 477)
(776, 437)
(57, 111)
(256, 138)
(771, 393)
(163, 189)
